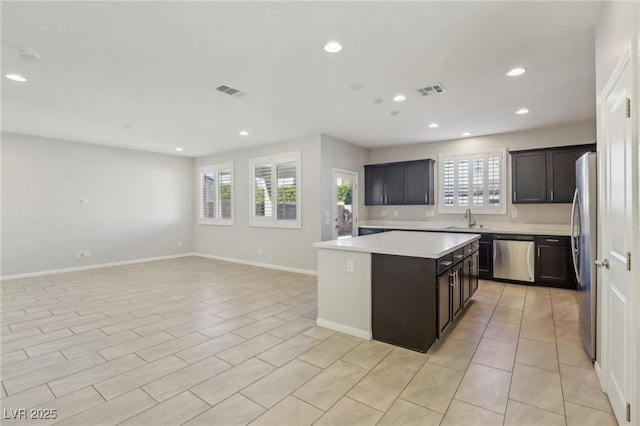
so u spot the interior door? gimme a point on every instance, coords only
(345, 200)
(617, 234)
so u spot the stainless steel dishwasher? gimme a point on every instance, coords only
(513, 257)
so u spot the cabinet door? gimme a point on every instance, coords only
(373, 185)
(528, 177)
(394, 184)
(474, 273)
(553, 265)
(456, 290)
(444, 302)
(418, 182)
(467, 277)
(561, 174)
(485, 260)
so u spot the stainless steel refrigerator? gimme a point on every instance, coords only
(583, 248)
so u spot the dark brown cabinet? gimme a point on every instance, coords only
(553, 262)
(456, 283)
(470, 273)
(384, 184)
(408, 182)
(418, 182)
(529, 177)
(545, 175)
(485, 258)
(444, 303)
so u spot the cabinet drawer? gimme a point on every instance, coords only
(470, 248)
(457, 256)
(444, 263)
(552, 240)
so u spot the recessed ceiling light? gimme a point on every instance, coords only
(522, 111)
(516, 72)
(394, 113)
(16, 77)
(178, 149)
(332, 47)
(243, 133)
(434, 125)
(377, 101)
(466, 134)
(399, 98)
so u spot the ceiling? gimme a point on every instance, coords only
(143, 74)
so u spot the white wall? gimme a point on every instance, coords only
(338, 154)
(140, 204)
(289, 248)
(577, 133)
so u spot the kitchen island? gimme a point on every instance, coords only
(400, 287)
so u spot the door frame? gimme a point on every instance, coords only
(601, 366)
(334, 200)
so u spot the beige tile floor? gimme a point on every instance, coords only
(201, 342)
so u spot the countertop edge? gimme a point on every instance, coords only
(396, 252)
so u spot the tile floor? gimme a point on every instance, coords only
(196, 341)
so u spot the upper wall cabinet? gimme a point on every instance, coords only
(409, 182)
(545, 175)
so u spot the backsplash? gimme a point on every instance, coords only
(526, 213)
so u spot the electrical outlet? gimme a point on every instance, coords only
(349, 265)
(384, 213)
(87, 253)
(80, 255)
(514, 214)
(395, 213)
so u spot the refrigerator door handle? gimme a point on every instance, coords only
(574, 248)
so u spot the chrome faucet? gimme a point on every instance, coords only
(467, 215)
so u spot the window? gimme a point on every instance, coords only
(275, 197)
(475, 182)
(216, 194)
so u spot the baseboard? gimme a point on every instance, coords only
(96, 266)
(258, 264)
(596, 368)
(367, 335)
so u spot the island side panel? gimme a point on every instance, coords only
(404, 301)
(344, 298)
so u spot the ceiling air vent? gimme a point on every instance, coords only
(231, 91)
(432, 90)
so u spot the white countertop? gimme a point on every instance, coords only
(431, 245)
(494, 228)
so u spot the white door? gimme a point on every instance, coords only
(618, 228)
(345, 196)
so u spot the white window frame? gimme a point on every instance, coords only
(216, 169)
(501, 208)
(273, 221)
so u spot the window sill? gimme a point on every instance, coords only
(216, 222)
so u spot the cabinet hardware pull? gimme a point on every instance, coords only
(381, 200)
(538, 251)
(386, 199)
(426, 198)
(552, 240)
(458, 256)
(514, 196)
(552, 195)
(446, 262)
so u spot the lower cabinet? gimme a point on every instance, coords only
(485, 266)
(553, 262)
(456, 284)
